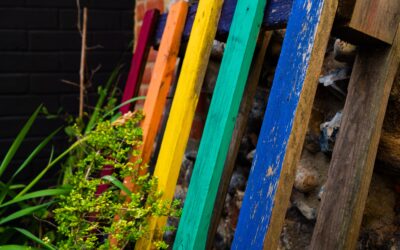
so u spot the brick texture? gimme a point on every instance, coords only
(40, 47)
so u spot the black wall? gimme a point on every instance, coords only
(40, 46)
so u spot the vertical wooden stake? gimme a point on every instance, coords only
(238, 132)
(353, 159)
(186, 97)
(285, 123)
(221, 118)
(83, 63)
(139, 58)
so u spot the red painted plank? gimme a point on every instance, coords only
(139, 59)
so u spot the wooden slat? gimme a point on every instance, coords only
(276, 16)
(282, 135)
(353, 159)
(159, 87)
(221, 118)
(139, 58)
(238, 133)
(185, 100)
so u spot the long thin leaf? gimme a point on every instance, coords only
(23, 212)
(18, 140)
(34, 238)
(51, 164)
(135, 99)
(117, 183)
(34, 153)
(102, 98)
(37, 194)
(16, 247)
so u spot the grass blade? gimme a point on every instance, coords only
(34, 238)
(18, 140)
(16, 247)
(37, 194)
(123, 104)
(50, 165)
(34, 153)
(102, 98)
(23, 212)
(117, 183)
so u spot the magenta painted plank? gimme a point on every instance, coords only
(139, 58)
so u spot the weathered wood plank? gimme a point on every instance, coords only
(139, 58)
(238, 132)
(185, 100)
(353, 159)
(221, 118)
(370, 20)
(159, 87)
(282, 135)
(276, 16)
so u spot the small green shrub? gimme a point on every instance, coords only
(85, 219)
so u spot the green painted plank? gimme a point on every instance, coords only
(194, 224)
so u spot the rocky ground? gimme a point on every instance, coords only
(381, 222)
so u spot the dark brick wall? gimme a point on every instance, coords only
(40, 46)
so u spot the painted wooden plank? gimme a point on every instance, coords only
(282, 135)
(139, 58)
(185, 100)
(194, 223)
(159, 87)
(238, 132)
(355, 150)
(276, 16)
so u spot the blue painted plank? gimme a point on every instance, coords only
(282, 135)
(275, 16)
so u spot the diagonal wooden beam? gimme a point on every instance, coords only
(221, 118)
(353, 158)
(285, 123)
(139, 58)
(238, 133)
(185, 100)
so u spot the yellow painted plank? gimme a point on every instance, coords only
(185, 101)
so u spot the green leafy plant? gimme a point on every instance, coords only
(86, 219)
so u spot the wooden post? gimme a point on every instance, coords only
(353, 159)
(139, 58)
(238, 132)
(282, 135)
(221, 119)
(185, 100)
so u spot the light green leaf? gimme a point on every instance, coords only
(37, 194)
(16, 247)
(124, 103)
(117, 183)
(23, 212)
(34, 238)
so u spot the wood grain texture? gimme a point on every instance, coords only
(275, 17)
(353, 159)
(159, 87)
(139, 58)
(221, 118)
(376, 18)
(238, 132)
(282, 135)
(185, 100)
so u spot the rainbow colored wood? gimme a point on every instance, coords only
(160, 84)
(139, 58)
(282, 135)
(186, 97)
(199, 203)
